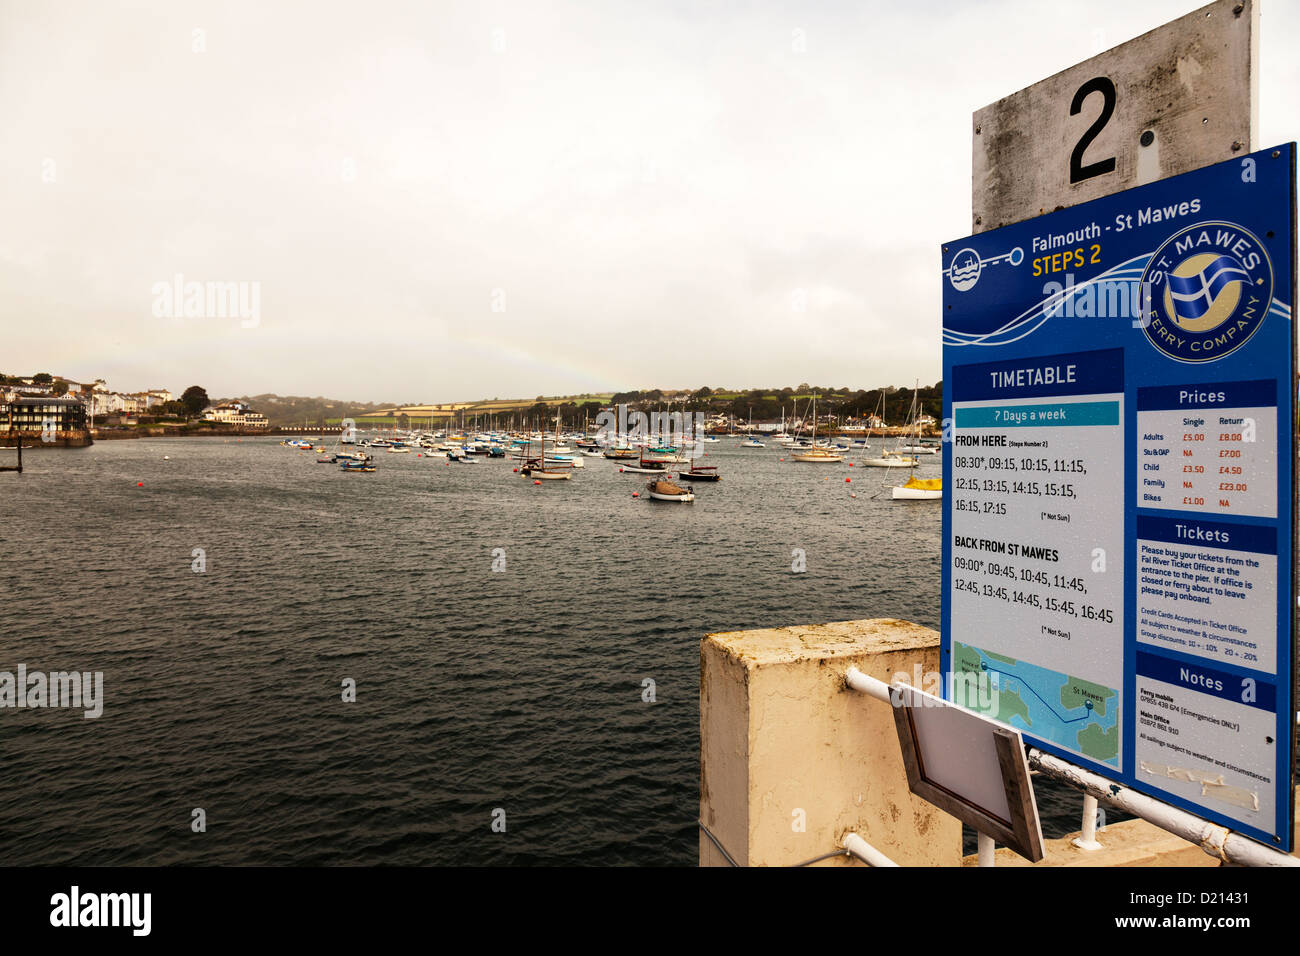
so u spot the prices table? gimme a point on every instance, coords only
(1208, 449)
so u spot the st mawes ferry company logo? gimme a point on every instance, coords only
(1210, 285)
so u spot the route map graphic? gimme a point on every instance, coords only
(1070, 712)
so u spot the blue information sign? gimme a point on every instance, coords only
(1119, 505)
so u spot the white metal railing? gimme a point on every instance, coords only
(865, 852)
(867, 684)
(1087, 838)
(1215, 840)
(852, 845)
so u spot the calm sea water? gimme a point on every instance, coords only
(476, 689)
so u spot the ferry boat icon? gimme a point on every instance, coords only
(967, 266)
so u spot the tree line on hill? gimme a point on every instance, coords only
(766, 405)
(287, 410)
(758, 405)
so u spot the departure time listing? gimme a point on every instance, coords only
(1037, 508)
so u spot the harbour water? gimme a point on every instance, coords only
(476, 689)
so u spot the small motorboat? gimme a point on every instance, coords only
(919, 489)
(664, 490)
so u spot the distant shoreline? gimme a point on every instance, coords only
(84, 439)
(32, 440)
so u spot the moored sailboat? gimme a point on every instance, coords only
(700, 473)
(647, 466)
(815, 454)
(540, 468)
(887, 458)
(918, 489)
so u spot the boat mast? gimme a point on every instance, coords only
(911, 472)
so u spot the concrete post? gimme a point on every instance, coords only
(791, 760)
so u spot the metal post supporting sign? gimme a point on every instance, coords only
(1119, 524)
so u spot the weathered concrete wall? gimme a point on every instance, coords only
(784, 741)
(724, 754)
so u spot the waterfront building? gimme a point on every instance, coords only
(235, 413)
(32, 413)
(103, 404)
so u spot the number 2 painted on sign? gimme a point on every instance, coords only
(1104, 86)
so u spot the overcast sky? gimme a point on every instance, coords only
(445, 201)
